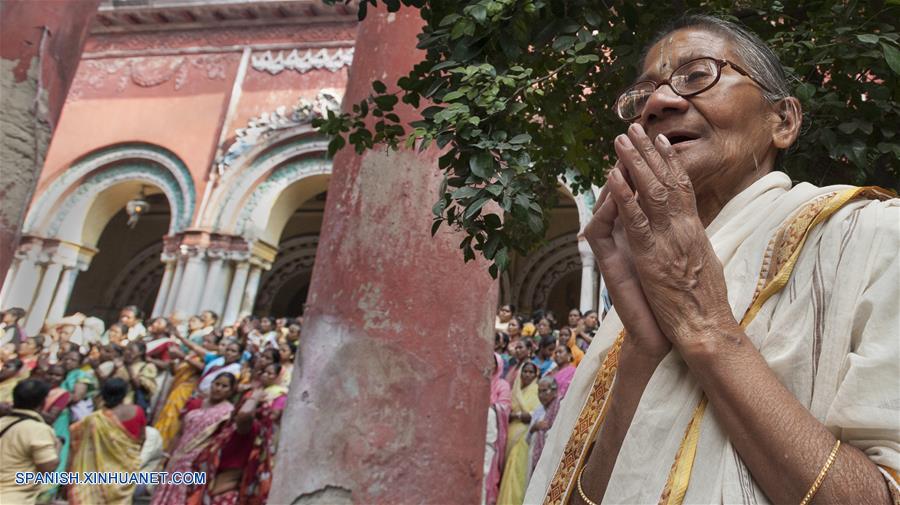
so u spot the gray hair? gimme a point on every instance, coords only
(761, 62)
(549, 380)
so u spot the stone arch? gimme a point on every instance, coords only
(274, 151)
(296, 256)
(61, 211)
(544, 268)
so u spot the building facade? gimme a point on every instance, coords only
(201, 110)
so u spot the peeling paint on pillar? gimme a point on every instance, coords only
(40, 46)
(390, 398)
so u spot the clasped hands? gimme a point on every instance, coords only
(662, 273)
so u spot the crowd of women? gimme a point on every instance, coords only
(194, 397)
(534, 363)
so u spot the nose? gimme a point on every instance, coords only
(662, 103)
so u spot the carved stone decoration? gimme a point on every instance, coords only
(261, 127)
(146, 72)
(104, 168)
(302, 62)
(542, 271)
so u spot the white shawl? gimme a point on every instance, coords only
(831, 336)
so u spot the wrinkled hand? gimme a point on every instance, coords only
(682, 278)
(606, 236)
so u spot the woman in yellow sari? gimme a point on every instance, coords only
(108, 440)
(518, 461)
(184, 383)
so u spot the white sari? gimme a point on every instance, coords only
(830, 336)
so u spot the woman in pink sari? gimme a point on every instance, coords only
(564, 370)
(198, 430)
(501, 401)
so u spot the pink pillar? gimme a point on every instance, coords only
(389, 398)
(40, 46)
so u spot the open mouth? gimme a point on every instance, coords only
(678, 139)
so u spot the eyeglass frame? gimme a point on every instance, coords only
(720, 64)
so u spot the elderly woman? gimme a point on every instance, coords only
(752, 355)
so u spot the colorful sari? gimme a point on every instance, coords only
(183, 384)
(85, 406)
(501, 402)
(200, 428)
(257, 478)
(563, 378)
(58, 398)
(100, 443)
(518, 457)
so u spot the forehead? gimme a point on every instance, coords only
(683, 45)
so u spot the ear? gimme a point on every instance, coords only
(790, 118)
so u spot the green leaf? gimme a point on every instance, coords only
(868, 38)
(337, 143)
(535, 223)
(379, 87)
(464, 192)
(586, 58)
(490, 248)
(482, 165)
(522, 138)
(453, 95)
(501, 259)
(891, 56)
(564, 42)
(479, 12)
(475, 208)
(435, 226)
(805, 91)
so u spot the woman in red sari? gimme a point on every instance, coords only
(239, 461)
(198, 431)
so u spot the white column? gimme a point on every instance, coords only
(63, 293)
(28, 276)
(236, 293)
(188, 298)
(250, 291)
(588, 276)
(164, 286)
(7, 284)
(213, 290)
(37, 314)
(172, 293)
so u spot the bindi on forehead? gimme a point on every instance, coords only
(680, 47)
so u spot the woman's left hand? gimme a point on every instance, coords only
(680, 273)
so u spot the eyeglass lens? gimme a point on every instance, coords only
(691, 78)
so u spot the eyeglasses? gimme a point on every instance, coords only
(690, 79)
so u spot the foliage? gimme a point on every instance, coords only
(519, 94)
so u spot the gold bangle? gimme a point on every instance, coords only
(821, 478)
(581, 490)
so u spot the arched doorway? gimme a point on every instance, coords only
(126, 269)
(65, 223)
(283, 289)
(550, 277)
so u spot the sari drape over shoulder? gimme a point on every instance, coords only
(501, 402)
(200, 426)
(257, 478)
(100, 443)
(814, 275)
(183, 384)
(518, 455)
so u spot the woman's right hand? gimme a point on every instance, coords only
(607, 239)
